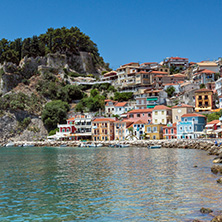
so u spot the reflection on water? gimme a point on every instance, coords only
(106, 184)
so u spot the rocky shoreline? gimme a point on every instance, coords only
(207, 145)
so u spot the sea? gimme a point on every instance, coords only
(106, 184)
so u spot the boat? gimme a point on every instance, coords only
(154, 147)
(10, 144)
(27, 145)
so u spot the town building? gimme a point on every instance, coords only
(203, 100)
(204, 76)
(139, 129)
(179, 110)
(121, 129)
(177, 62)
(210, 65)
(191, 126)
(154, 131)
(170, 131)
(161, 115)
(218, 88)
(211, 128)
(103, 129)
(140, 114)
(110, 76)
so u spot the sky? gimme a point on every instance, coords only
(125, 30)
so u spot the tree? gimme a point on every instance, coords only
(170, 91)
(202, 86)
(53, 113)
(125, 96)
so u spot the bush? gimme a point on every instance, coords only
(120, 97)
(53, 113)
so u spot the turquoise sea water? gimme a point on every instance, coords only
(106, 184)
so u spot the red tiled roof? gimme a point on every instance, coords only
(159, 72)
(160, 107)
(179, 75)
(141, 111)
(203, 90)
(120, 104)
(214, 121)
(178, 58)
(103, 120)
(149, 63)
(182, 106)
(192, 114)
(206, 71)
(142, 72)
(140, 122)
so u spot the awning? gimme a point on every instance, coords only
(82, 121)
(151, 99)
(218, 131)
(219, 124)
(209, 125)
(76, 121)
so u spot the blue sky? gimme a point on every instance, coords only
(125, 30)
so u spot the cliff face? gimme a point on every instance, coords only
(11, 75)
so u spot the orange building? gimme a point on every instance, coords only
(203, 100)
(103, 129)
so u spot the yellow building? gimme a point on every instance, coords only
(103, 129)
(203, 100)
(154, 131)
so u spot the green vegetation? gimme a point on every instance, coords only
(174, 69)
(20, 101)
(62, 40)
(51, 88)
(93, 103)
(53, 132)
(125, 96)
(54, 112)
(213, 116)
(170, 91)
(202, 86)
(216, 76)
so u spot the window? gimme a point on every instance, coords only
(154, 129)
(185, 119)
(155, 120)
(138, 115)
(166, 132)
(162, 120)
(171, 131)
(148, 129)
(162, 112)
(156, 112)
(154, 137)
(205, 97)
(131, 116)
(190, 127)
(181, 128)
(177, 117)
(199, 97)
(106, 138)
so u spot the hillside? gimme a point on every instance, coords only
(37, 70)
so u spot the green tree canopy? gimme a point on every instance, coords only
(170, 91)
(53, 113)
(125, 96)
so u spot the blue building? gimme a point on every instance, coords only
(190, 126)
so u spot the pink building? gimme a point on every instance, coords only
(140, 114)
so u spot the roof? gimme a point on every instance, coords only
(104, 120)
(179, 75)
(72, 118)
(120, 104)
(159, 72)
(141, 111)
(140, 122)
(182, 106)
(207, 63)
(193, 114)
(203, 90)
(216, 121)
(206, 71)
(178, 58)
(148, 63)
(160, 107)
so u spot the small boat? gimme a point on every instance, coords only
(63, 145)
(27, 145)
(10, 144)
(154, 147)
(124, 145)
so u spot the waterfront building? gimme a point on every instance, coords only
(154, 131)
(103, 129)
(179, 110)
(203, 100)
(191, 126)
(211, 129)
(218, 88)
(121, 129)
(161, 115)
(139, 129)
(170, 131)
(140, 114)
(109, 107)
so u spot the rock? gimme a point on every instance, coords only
(216, 169)
(217, 160)
(195, 166)
(219, 181)
(217, 219)
(205, 210)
